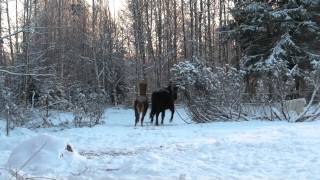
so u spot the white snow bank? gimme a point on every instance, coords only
(44, 153)
(222, 150)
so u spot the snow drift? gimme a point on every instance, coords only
(44, 153)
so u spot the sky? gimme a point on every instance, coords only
(116, 5)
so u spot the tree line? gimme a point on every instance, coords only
(53, 50)
(55, 45)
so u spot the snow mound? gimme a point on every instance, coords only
(44, 153)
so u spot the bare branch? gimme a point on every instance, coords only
(24, 74)
(12, 34)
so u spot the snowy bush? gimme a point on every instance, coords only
(216, 94)
(312, 78)
(211, 94)
(15, 114)
(279, 41)
(88, 107)
(53, 98)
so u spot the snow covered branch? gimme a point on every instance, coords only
(24, 74)
(211, 94)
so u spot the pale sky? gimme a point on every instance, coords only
(116, 5)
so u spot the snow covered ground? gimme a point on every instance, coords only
(224, 150)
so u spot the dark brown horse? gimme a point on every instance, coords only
(161, 100)
(141, 104)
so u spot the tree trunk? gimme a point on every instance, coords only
(2, 63)
(209, 37)
(9, 32)
(220, 26)
(200, 29)
(26, 39)
(8, 120)
(191, 4)
(183, 30)
(175, 31)
(17, 35)
(159, 48)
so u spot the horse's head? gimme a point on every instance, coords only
(173, 90)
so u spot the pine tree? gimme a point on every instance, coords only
(277, 38)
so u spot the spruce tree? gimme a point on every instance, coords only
(277, 37)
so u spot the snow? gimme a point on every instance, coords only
(256, 7)
(117, 150)
(41, 153)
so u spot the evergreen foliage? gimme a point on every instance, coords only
(277, 36)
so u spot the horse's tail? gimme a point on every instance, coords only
(135, 103)
(153, 111)
(153, 108)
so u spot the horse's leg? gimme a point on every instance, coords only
(137, 116)
(163, 113)
(146, 106)
(151, 117)
(143, 114)
(157, 115)
(172, 112)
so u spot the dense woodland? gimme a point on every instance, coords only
(80, 55)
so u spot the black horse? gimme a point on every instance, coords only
(161, 100)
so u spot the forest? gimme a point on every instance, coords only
(226, 56)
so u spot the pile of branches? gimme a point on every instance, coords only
(211, 94)
(218, 94)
